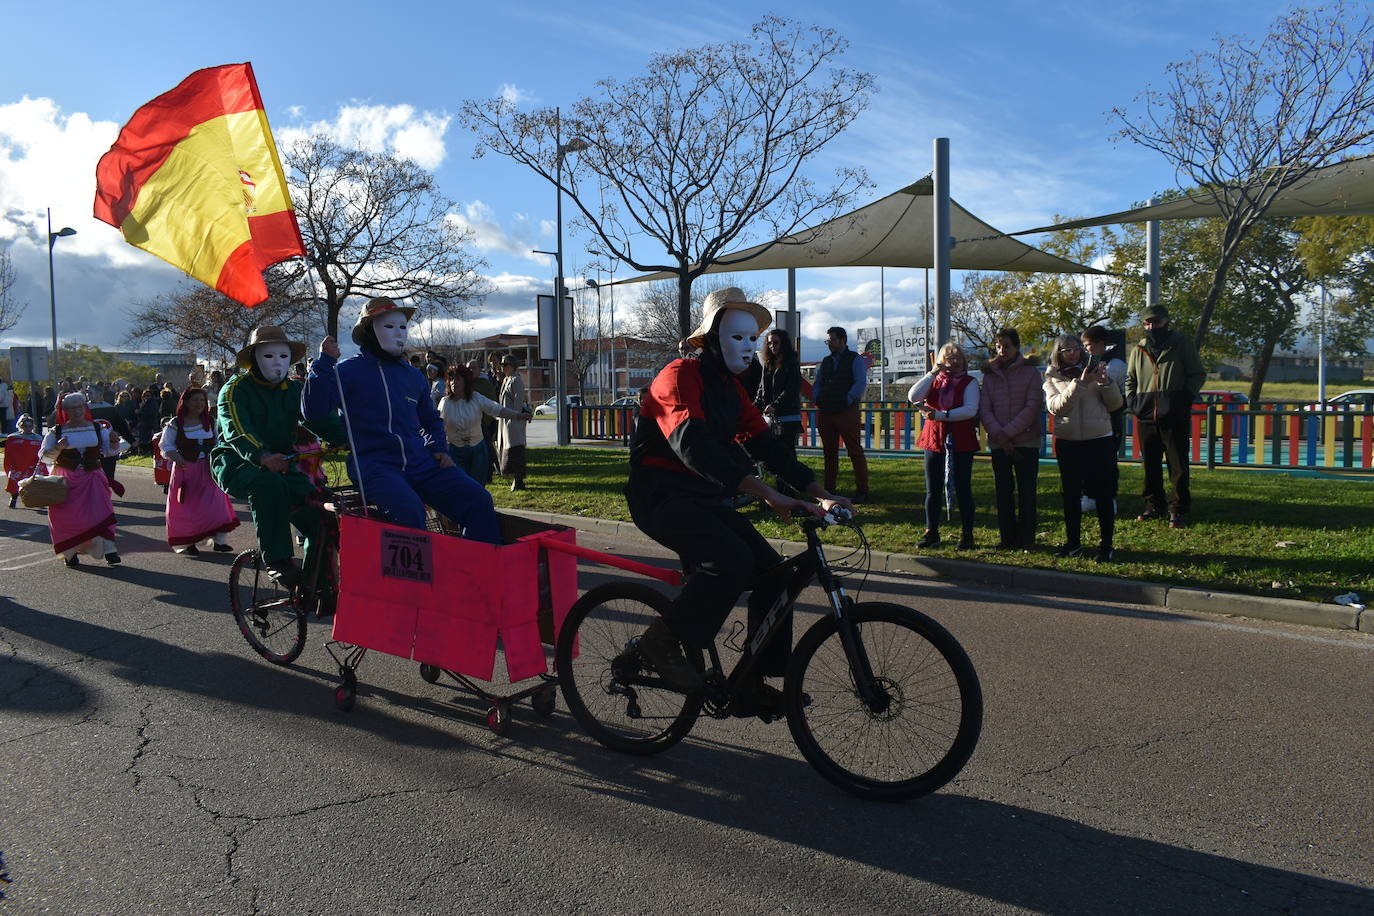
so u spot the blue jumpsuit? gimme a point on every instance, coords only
(397, 432)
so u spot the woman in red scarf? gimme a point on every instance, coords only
(197, 510)
(948, 400)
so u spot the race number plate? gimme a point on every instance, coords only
(408, 556)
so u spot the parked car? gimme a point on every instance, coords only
(626, 401)
(1359, 399)
(551, 405)
(1223, 399)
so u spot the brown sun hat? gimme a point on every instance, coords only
(376, 308)
(268, 333)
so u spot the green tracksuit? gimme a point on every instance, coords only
(256, 418)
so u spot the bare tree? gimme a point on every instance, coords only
(11, 310)
(196, 318)
(377, 225)
(674, 167)
(1244, 121)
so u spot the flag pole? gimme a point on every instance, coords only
(343, 401)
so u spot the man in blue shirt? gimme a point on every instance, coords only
(839, 386)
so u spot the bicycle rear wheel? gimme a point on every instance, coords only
(608, 688)
(929, 713)
(268, 615)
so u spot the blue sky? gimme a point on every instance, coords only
(1021, 89)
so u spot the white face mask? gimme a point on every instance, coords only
(274, 360)
(391, 331)
(739, 339)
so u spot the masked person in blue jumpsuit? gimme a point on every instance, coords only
(400, 457)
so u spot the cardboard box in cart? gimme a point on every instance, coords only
(445, 601)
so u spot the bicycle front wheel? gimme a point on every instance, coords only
(917, 730)
(268, 615)
(610, 690)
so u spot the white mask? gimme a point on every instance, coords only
(391, 330)
(739, 339)
(274, 360)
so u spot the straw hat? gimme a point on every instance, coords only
(268, 333)
(731, 297)
(375, 308)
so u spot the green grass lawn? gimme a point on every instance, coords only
(1239, 520)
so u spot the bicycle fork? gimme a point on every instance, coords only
(860, 669)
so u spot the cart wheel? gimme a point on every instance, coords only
(543, 701)
(344, 696)
(429, 674)
(498, 717)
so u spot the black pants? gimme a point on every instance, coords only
(1014, 477)
(935, 488)
(1087, 468)
(1166, 440)
(722, 555)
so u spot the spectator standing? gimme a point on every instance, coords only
(947, 398)
(1096, 344)
(148, 421)
(1081, 396)
(839, 385)
(512, 434)
(483, 384)
(1009, 407)
(463, 409)
(434, 374)
(1163, 378)
(779, 393)
(212, 386)
(6, 402)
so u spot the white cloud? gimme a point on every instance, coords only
(514, 95)
(382, 128)
(519, 239)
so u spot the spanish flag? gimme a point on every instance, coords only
(194, 178)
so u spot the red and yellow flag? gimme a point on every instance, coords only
(194, 178)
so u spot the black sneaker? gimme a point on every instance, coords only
(661, 649)
(191, 550)
(72, 561)
(1104, 555)
(928, 540)
(223, 548)
(1149, 515)
(112, 558)
(965, 543)
(1069, 550)
(285, 572)
(756, 697)
(1178, 520)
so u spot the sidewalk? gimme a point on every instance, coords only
(1152, 594)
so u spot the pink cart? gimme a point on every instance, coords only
(447, 602)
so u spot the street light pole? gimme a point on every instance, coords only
(576, 144)
(52, 291)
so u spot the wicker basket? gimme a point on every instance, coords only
(39, 492)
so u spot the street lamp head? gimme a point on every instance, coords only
(575, 145)
(592, 284)
(61, 233)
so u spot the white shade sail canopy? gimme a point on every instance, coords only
(895, 231)
(1343, 189)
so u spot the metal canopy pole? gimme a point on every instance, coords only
(882, 334)
(1152, 259)
(792, 321)
(943, 242)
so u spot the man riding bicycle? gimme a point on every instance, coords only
(259, 414)
(695, 444)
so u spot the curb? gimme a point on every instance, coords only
(1131, 591)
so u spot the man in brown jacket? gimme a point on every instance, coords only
(1009, 408)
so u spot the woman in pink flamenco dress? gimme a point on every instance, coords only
(85, 521)
(197, 510)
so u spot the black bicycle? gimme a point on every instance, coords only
(271, 616)
(879, 698)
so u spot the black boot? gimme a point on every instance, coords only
(930, 539)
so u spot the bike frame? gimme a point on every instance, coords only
(798, 572)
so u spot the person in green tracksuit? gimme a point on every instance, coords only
(259, 413)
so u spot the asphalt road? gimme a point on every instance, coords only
(1131, 761)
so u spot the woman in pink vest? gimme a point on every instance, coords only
(948, 400)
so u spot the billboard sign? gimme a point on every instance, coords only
(902, 352)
